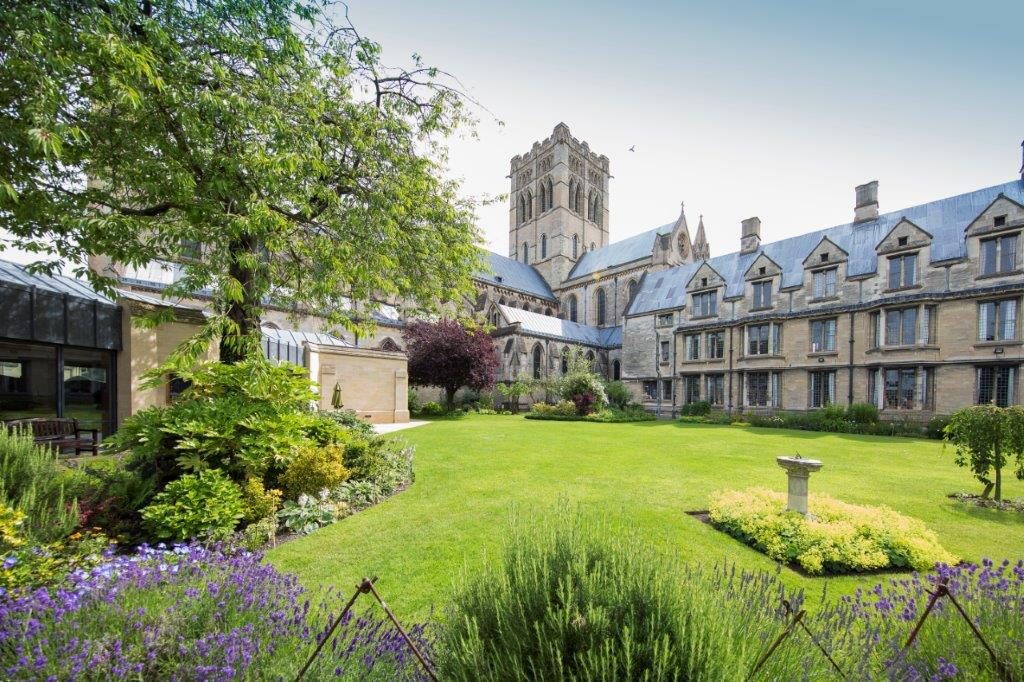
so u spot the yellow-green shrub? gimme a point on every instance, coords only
(258, 502)
(313, 470)
(10, 525)
(838, 538)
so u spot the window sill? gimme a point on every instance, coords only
(902, 349)
(996, 344)
(896, 290)
(823, 354)
(824, 299)
(997, 275)
(761, 309)
(694, 318)
(761, 357)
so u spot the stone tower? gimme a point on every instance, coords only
(559, 204)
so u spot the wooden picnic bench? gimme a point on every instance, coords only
(59, 433)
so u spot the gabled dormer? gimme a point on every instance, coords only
(825, 268)
(704, 290)
(993, 238)
(762, 278)
(903, 255)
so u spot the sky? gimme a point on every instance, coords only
(737, 108)
(774, 109)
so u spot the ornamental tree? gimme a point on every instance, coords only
(450, 355)
(987, 438)
(261, 147)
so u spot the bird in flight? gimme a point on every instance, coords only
(633, 148)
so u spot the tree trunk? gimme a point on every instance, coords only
(987, 491)
(244, 314)
(449, 396)
(998, 464)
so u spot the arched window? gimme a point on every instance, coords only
(526, 252)
(543, 197)
(578, 198)
(616, 371)
(389, 345)
(537, 361)
(508, 346)
(521, 210)
(565, 360)
(549, 193)
(597, 209)
(543, 246)
(590, 206)
(600, 307)
(572, 194)
(529, 205)
(501, 301)
(547, 311)
(632, 289)
(572, 308)
(575, 246)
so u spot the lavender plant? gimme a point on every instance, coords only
(190, 613)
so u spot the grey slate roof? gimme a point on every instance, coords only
(512, 274)
(552, 327)
(17, 274)
(945, 219)
(618, 253)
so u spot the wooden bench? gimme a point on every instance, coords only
(59, 433)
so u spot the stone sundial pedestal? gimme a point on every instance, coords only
(798, 470)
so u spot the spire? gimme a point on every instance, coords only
(701, 250)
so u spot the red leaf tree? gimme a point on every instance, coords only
(449, 355)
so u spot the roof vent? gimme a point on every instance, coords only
(866, 207)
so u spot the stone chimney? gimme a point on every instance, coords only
(750, 237)
(1022, 160)
(867, 202)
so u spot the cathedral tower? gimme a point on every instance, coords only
(559, 204)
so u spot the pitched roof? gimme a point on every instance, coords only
(512, 274)
(945, 219)
(59, 284)
(619, 253)
(552, 327)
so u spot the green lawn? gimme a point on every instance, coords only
(471, 473)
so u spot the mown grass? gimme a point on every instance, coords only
(471, 473)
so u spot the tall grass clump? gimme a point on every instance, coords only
(576, 598)
(30, 482)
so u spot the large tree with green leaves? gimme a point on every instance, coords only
(259, 144)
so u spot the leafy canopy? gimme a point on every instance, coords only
(450, 355)
(265, 150)
(986, 439)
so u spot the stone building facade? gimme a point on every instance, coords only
(915, 311)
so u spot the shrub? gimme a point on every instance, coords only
(10, 527)
(351, 421)
(202, 505)
(584, 403)
(110, 498)
(574, 598)
(257, 535)
(513, 391)
(432, 409)
(31, 482)
(191, 613)
(563, 408)
(314, 469)
(31, 566)
(413, 401)
(258, 502)
(619, 395)
(311, 512)
(699, 408)
(862, 413)
(245, 419)
(385, 462)
(839, 538)
(936, 428)
(358, 495)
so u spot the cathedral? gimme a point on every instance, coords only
(914, 310)
(564, 282)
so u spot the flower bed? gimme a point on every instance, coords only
(839, 538)
(189, 613)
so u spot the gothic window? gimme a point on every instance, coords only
(579, 198)
(543, 246)
(529, 205)
(547, 311)
(521, 210)
(565, 360)
(572, 308)
(632, 289)
(600, 307)
(526, 252)
(575, 246)
(537, 361)
(543, 197)
(572, 194)
(591, 204)
(389, 345)
(616, 371)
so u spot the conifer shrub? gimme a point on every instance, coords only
(837, 538)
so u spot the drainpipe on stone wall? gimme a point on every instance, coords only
(728, 402)
(675, 344)
(849, 388)
(657, 367)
